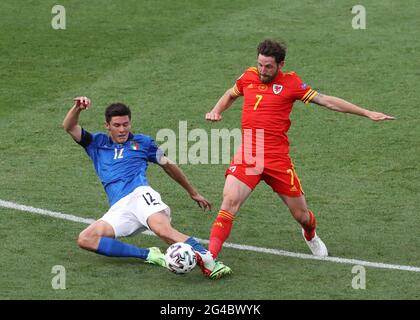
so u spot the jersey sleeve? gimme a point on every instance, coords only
(90, 142)
(154, 153)
(301, 91)
(239, 86)
(86, 139)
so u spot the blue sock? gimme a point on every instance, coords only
(196, 246)
(114, 248)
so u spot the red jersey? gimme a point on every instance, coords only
(268, 106)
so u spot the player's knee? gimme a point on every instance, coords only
(86, 241)
(230, 204)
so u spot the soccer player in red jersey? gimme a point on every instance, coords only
(269, 95)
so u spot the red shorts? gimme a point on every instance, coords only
(278, 172)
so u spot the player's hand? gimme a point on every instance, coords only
(377, 116)
(82, 103)
(202, 202)
(213, 116)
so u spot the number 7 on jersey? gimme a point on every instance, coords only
(259, 98)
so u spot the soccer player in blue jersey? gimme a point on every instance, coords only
(120, 159)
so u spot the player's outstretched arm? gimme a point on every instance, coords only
(178, 175)
(71, 121)
(341, 105)
(223, 104)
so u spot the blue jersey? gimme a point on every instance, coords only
(120, 167)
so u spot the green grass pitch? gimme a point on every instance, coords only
(170, 61)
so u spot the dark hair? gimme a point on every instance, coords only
(271, 48)
(117, 109)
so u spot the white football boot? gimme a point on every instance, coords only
(316, 245)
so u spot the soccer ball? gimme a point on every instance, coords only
(180, 258)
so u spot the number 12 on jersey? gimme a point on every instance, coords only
(259, 98)
(118, 155)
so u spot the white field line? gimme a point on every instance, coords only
(59, 215)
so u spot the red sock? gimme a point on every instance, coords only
(220, 231)
(310, 227)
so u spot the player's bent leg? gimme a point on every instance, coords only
(235, 192)
(160, 224)
(89, 238)
(234, 195)
(99, 238)
(306, 218)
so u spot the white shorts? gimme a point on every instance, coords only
(129, 214)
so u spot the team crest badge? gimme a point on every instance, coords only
(135, 145)
(277, 88)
